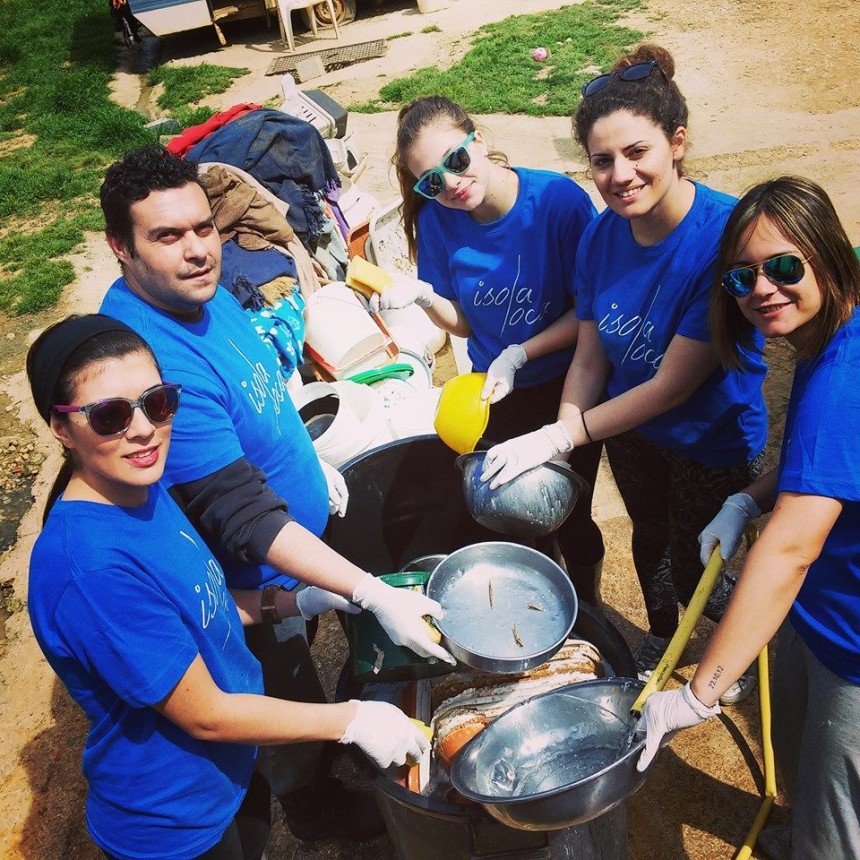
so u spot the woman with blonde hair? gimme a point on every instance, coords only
(496, 247)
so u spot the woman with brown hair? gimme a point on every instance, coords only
(496, 247)
(787, 269)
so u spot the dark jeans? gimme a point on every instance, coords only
(289, 673)
(670, 499)
(248, 833)
(528, 409)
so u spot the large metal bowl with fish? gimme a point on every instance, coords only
(507, 607)
(559, 759)
(533, 504)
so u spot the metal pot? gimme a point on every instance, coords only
(533, 504)
(553, 761)
(508, 607)
(567, 756)
(429, 828)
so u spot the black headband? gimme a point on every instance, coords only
(51, 351)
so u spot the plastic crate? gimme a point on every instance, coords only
(297, 104)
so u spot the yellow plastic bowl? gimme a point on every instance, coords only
(461, 416)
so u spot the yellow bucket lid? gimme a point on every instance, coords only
(462, 416)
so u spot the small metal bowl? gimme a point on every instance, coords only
(507, 607)
(427, 563)
(533, 504)
(556, 760)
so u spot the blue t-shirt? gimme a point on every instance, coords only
(640, 298)
(121, 601)
(821, 457)
(514, 276)
(234, 404)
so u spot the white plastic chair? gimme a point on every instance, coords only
(285, 7)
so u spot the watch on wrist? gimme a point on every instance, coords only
(267, 604)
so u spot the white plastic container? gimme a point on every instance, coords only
(297, 104)
(343, 418)
(414, 330)
(366, 406)
(339, 329)
(413, 413)
(426, 6)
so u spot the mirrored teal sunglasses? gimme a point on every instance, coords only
(431, 183)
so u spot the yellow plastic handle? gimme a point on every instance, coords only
(685, 629)
(411, 761)
(432, 630)
(428, 732)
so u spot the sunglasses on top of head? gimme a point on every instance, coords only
(113, 416)
(636, 72)
(782, 271)
(431, 183)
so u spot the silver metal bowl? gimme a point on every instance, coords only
(426, 563)
(507, 607)
(556, 760)
(533, 504)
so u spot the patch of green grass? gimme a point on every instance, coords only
(498, 74)
(402, 35)
(56, 64)
(430, 28)
(57, 61)
(185, 85)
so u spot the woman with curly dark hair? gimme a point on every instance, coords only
(681, 432)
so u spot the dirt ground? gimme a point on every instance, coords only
(772, 88)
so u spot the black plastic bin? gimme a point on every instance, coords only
(423, 828)
(406, 501)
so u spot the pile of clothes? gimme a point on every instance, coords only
(274, 191)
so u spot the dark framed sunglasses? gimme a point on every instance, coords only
(431, 183)
(636, 72)
(113, 416)
(783, 271)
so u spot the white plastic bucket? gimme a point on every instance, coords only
(327, 419)
(414, 330)
(425, 6)
(413, 413)
(364, 405)
(339, 328)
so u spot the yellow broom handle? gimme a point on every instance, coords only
(767, 801)
(685, 629)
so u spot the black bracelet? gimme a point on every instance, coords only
(585, 427)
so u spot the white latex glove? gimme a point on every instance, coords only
(384, 733)
(504, 462)
(404, 291)
(401, 613)
(338, 494)
(500, 374)
(727, 527)
(313, 601)
(665, 713)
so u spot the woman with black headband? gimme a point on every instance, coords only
(681, 433)
(131, 610)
